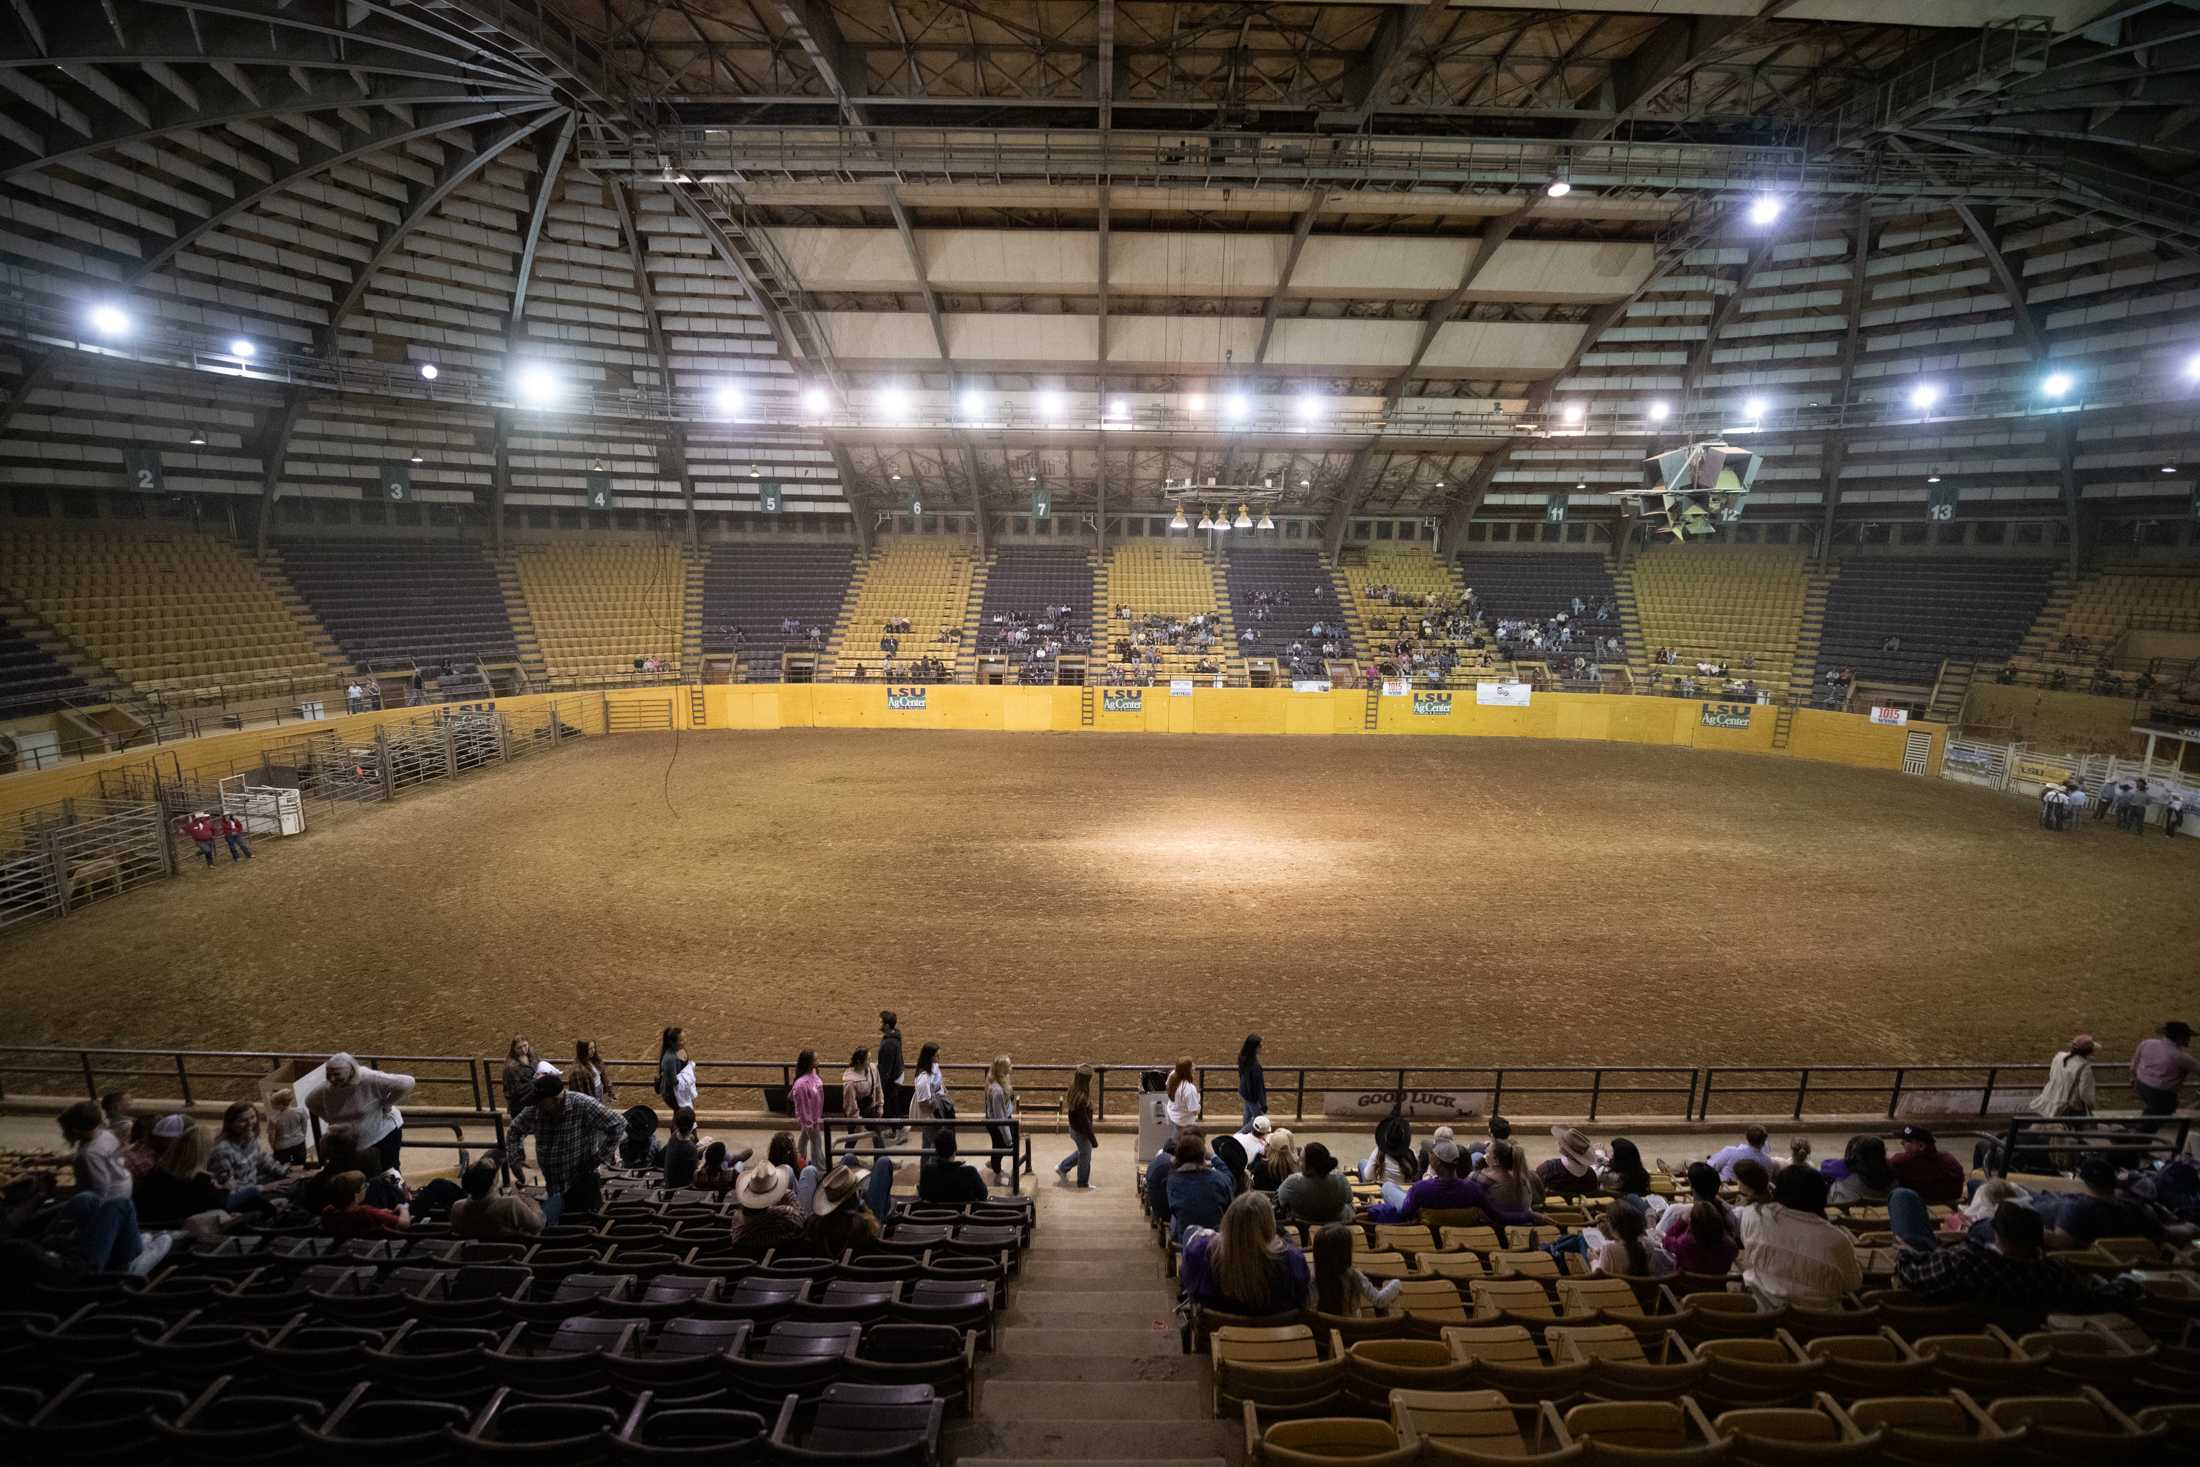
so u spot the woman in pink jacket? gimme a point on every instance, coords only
(808, 1096)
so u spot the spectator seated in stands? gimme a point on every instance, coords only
(1925, 1169)
(1707, 1241)
(1341, 1289)
(236, 1160)
(1505, 1177)
(1865, 1175)
(1278, 1161)
(1703, 1186)
(1393, 1162)
(945, 1180)
(1443, 1188)
(1244, 1267)
(766, 1216)
(1751, 1148)
(1628, 1249)
(347, 1213)
(840, 1218)
(2010, 1273)
(1198, 1189)
(487, 1216)
(1573, 1172)
(1319, 1193)
(178, 1186)
(683, 1149)
(1791, 1253)
(2102, 1212)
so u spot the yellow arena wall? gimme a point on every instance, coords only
(1837, 738)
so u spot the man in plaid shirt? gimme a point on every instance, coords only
(574, 1135)
(2011, 1275)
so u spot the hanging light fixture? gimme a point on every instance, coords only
(1267, 521)
(1206, 521)
(1179, 522)
(1244, 520)
(198, 438)
(1222, 519)
(418, 458)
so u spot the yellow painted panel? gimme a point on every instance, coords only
(1027, 710)
(1308, 713)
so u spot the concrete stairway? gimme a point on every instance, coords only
(1809, 632)
(1088, 1366)
(691, 615)
(964, 664)
(521, 616)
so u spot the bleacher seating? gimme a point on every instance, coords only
(1415, 573)
(634, 1333)
(1164, 578)
(921, 581)
(393, 601)
(1726, 604)
(1023, 581)
(1938, 608)
(1535, 587)
(597, 608)
(1309, 596)
(754, 590)
(30, 680)
(2103, 607)
(184, 616)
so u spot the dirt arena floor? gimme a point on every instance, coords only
(1065, 897)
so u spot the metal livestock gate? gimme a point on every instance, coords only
(62, 857)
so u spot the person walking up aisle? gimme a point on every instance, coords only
(1252, 1081)
(1078, 1105)
(889, 1074)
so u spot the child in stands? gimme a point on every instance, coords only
(347, 1215)
(1339, 1288)
(286, 1127)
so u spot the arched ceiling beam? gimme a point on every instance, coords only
(1299, 232)
(289, 103)
(1398, 33)
(546, 189)
(622, 201)
(425, 204)
(316, 161)
(424, 30)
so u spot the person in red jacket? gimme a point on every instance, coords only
(233, 833)
(200, 827)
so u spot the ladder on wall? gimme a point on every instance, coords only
(1084, 706)
(696, 706)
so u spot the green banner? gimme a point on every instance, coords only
(142, 467)
(1127, 700)
(767, 499)
(1726, 715)
(905, 698)
(1433, 704)
(1940, 502)
(397, 483)
(598, 495)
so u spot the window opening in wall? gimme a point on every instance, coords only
(1990, 532)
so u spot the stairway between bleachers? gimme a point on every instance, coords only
(1089, 1368)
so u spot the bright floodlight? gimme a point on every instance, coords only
(1765, 209)
(1558, 188)
(1196, 403)
(1573, 414)
(815, 402)
(241, 349)
(1309, 407)
(973, 402)
(727, 400)
(2055, 384)
(1121, 407)
(428, 371)
(1050, 406)
(1237, 405)
(2192, 368)
(894, 403)
(1659, 412)
(110, 320)
(537, 384)
(1753, 409)
(1924, 395)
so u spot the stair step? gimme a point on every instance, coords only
(1124, 1461)
(1144, 1442)
(1103, 1340)
(1071, 1308)
(1050, 1400)
(1088, 1366)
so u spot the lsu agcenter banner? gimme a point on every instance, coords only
(1127, 700)
(1502, 695)
(1432, 705)
(1725, 715)
(905, 699)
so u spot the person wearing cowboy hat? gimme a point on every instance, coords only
(1573, 1172)
(765, 1217)
(839, 1219)
(2069, 1090)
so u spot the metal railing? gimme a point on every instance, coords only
(1677, 1093)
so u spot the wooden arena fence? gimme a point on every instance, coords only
(1345, 1095)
